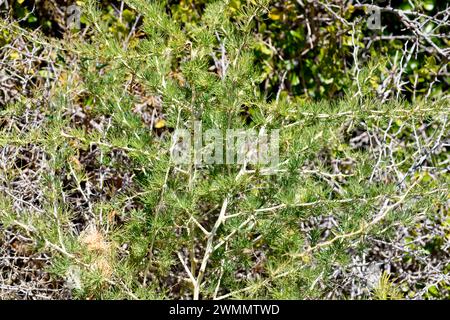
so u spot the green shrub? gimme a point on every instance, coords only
(90, 178)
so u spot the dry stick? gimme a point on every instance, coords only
(209, 249)
(364, 227)
(403, 16)
(242, 290)
(232, 233)
(419, 162)
(409, 24)
(256, 285)
(281, 87)
(342, 20)
(355, 58)
(85, 197)
(132, 31)
(381, 150)
(3, 189)
(186, 268)
(314, 203)
(216, 291)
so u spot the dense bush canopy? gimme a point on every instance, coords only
(92, 204)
